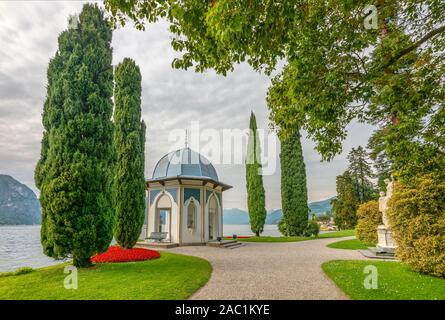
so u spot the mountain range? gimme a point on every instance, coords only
(18, 203)
(238, 216)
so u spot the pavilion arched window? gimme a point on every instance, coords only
(191, 215)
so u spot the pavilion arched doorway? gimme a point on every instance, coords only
(213, 218)
(163, 217)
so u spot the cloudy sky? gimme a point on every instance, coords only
(172, 99)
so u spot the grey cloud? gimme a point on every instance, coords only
(11, 89)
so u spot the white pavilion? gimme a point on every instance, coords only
(184, 200)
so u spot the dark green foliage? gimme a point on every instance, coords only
(74, 173)
(282, 227)
(345, 206)
(293, 186)
(129, 142)
(353, 188)
(382, 163)
(361, 173)
(256, 199)
(312, 229)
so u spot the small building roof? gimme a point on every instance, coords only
(186, 164)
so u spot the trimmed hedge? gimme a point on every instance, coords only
(369, 218)
(417, 216)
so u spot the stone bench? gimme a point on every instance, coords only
(158, 236)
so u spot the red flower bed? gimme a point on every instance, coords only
(117, 254)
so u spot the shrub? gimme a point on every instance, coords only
(23, 270)
(369, 218)
(282, 227)
(19, 271)
(312, 229)
(417, 217)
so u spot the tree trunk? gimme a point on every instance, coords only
(81, 262)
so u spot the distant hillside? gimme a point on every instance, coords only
(274, 217)
(320, 207)
(238, 216)
(235, 216)
(18, 203)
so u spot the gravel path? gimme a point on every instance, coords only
(290, 270)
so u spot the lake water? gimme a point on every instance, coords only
(244, 230)
(20, 245)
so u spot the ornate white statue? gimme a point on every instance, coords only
(383, 201)
(386, 242)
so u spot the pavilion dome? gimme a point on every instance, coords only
(186, 163)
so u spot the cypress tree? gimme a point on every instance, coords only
(74, 173)
(256, 200)
(129, 142)
(293, 186)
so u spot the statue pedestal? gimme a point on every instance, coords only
(386, 242)
(385, 248)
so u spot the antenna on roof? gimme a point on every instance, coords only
(186, 138)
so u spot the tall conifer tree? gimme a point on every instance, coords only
(256, 200)
(293, 186)
(129, 142)
(74, 174)
(361, 173)
(345, 206)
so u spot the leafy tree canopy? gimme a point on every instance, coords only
(335, 68)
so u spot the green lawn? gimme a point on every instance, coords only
(352, 244)
(172, 276)
(336, 234)
(395, 281)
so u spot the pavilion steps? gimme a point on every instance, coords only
(375, 253)
(225, 244)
